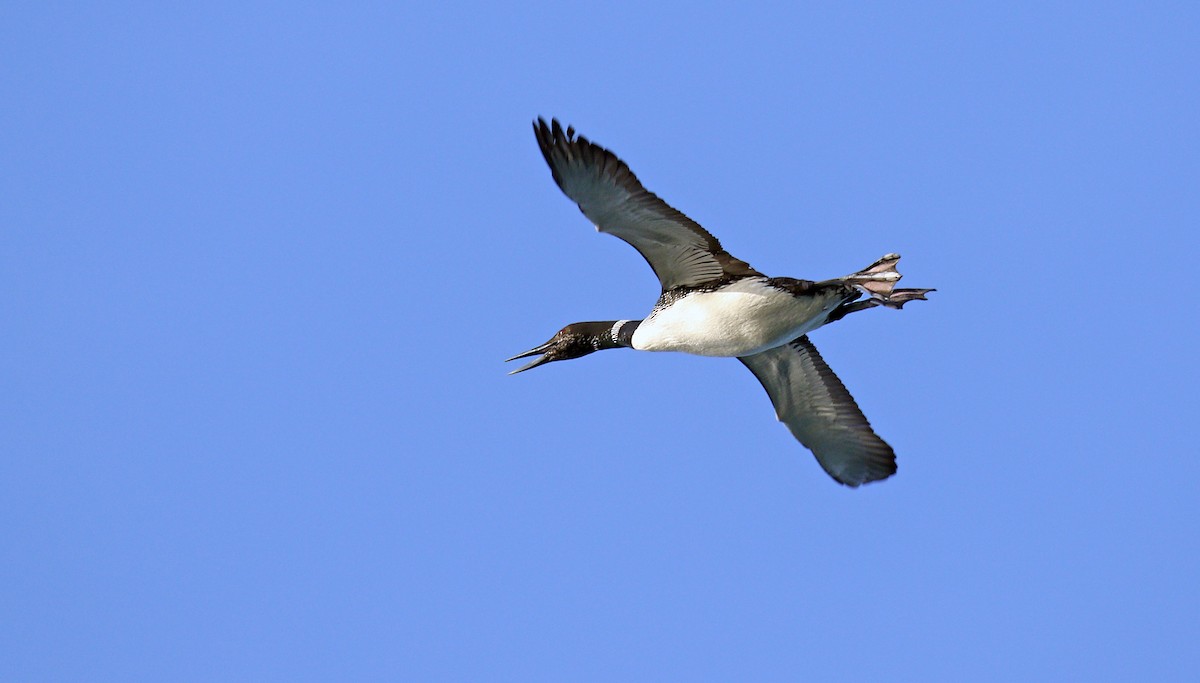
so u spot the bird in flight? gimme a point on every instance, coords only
(714, 304)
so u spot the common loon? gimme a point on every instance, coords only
(713, 304)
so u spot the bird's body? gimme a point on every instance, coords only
(713, 304)
(741, 318)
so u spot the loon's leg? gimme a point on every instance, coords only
(894, 299)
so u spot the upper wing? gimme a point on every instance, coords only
(676, 247)
(821, 414)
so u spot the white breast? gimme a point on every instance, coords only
(741, 319)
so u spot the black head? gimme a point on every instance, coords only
(573, 341)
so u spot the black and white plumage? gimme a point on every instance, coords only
(713, 304)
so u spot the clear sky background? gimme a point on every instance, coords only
(260, 266)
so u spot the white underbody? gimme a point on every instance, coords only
(744, 318)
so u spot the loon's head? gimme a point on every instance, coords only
(577, 340)
(573, 341)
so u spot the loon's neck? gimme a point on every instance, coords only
(619, 334)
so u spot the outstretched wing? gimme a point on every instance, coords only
(821, 414)
(676, 247)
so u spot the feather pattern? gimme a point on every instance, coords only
(680, 251)
(821, 414)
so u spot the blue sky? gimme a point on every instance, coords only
(262, 264)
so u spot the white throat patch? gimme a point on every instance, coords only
(616, 329)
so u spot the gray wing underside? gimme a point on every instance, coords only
(821, 414)
(680, 251)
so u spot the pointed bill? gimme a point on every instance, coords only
(543, 348)
(530, 366)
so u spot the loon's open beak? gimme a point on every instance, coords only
(533, 352)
